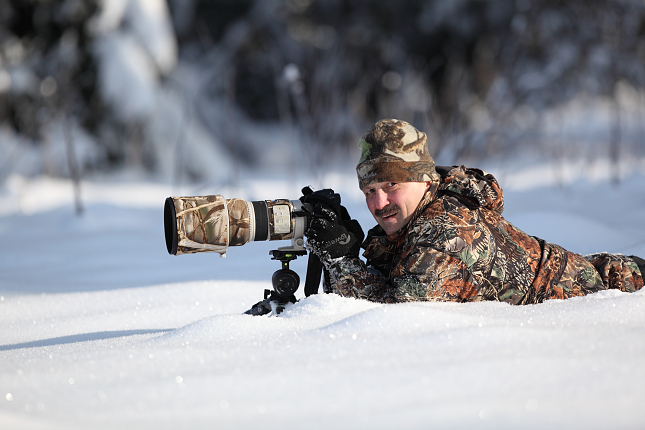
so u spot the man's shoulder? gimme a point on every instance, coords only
(447, 211)
(434, 216)
(441, 205)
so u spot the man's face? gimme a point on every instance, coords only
(393, 203)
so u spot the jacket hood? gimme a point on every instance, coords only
(476, 187)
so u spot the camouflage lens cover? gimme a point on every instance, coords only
(205, 224)
(212, 223)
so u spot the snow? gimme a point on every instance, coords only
(103, 329)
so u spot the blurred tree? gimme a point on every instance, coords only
(480, 77)
(46, 65)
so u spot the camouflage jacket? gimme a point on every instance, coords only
(458, 247)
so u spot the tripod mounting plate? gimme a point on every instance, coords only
(286, 254)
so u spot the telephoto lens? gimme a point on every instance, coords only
(213, 223)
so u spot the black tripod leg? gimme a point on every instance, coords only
(314, 270)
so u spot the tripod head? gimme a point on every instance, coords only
(285, 281)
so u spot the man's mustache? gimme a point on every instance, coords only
(390, 209)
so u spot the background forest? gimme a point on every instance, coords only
(197, 90)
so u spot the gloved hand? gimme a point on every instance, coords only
(331, 232)
(328, 237)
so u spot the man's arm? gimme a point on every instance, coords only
(351, 278)
(425, 274)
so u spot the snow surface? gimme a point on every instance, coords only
(103, 329)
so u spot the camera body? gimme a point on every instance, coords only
(212, 223)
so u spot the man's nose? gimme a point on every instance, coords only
(381, 199)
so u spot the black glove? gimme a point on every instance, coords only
(329, 236)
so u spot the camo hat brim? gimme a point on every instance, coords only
(394, 151)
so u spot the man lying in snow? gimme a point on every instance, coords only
(441, 236)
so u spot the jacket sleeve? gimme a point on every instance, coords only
(350, 277)
(424, 274)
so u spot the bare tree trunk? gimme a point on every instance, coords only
(73, 167)
(230, 132)
(614, 146)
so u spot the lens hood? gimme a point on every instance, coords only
(170, 225)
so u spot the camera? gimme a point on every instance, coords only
(213, 223)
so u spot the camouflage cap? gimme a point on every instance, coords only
(394, 151)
